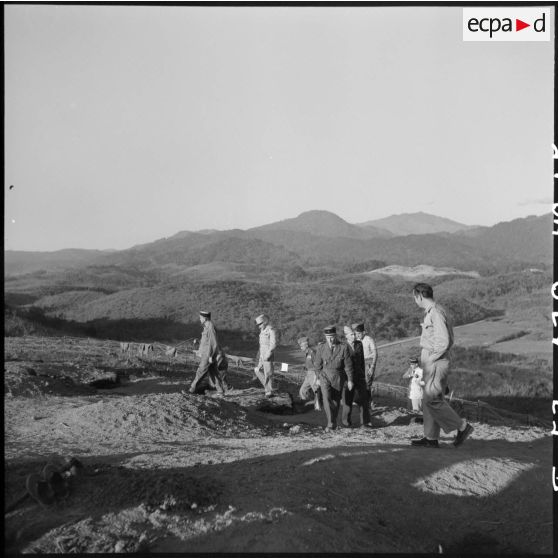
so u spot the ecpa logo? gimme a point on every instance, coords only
(506, 24)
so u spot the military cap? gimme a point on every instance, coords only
(205, 314)
(330, 330)
(413, 360)
(301, 340)
(347, 329)
(260, 318)
(358, 327)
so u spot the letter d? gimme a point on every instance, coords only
(540, 20)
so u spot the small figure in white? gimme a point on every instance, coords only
(415, 385)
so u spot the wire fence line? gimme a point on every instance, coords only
(479, 411)
(290, 372)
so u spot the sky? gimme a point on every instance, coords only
(126, 124)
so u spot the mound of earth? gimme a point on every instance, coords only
(34, 380)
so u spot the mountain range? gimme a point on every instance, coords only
(317, 238)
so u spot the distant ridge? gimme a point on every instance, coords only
(21, 261)
(316, 238)
(416, 223)
(323, 223)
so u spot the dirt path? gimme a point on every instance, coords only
(166, 471)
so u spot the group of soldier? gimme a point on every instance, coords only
(340, 374)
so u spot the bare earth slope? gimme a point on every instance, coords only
(166, 471)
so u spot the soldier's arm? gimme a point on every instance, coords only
(213, 347)
(440, 338)
(272, 340)
(310, 361)
(318, 363)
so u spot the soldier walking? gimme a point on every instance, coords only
(207, 373)
(268, 342)
(436, 341)
(334, 368)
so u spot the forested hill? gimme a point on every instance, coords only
(321, 238)
(296, 307)
(305, 280)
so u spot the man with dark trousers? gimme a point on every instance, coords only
(370, 354)
(360, 394)
(334, 368)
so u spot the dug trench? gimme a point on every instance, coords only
(167, 471)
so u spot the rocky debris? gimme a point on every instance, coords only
(254, 399)
(280, 403)
(22, 380)
(107, 380)
(121, 487)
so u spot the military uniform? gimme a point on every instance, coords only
(268, 342)
(334, 367)
(436, 341)
(359, 394)
(207, 372)
(370, 358)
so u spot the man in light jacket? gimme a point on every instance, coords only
(436, 341)
(268, 342)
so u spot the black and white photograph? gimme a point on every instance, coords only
(278, 278)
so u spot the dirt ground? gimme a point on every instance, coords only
(166, 471)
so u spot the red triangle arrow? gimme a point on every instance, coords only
(519, 25)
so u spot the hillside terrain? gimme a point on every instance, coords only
(323, 223)
(318, 239)
(164, 471)
(19, 261)
(420, 272)
(416, 223)
(96, 297)
(295, 274)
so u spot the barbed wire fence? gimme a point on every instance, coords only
(479, 411)
(145, 353)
